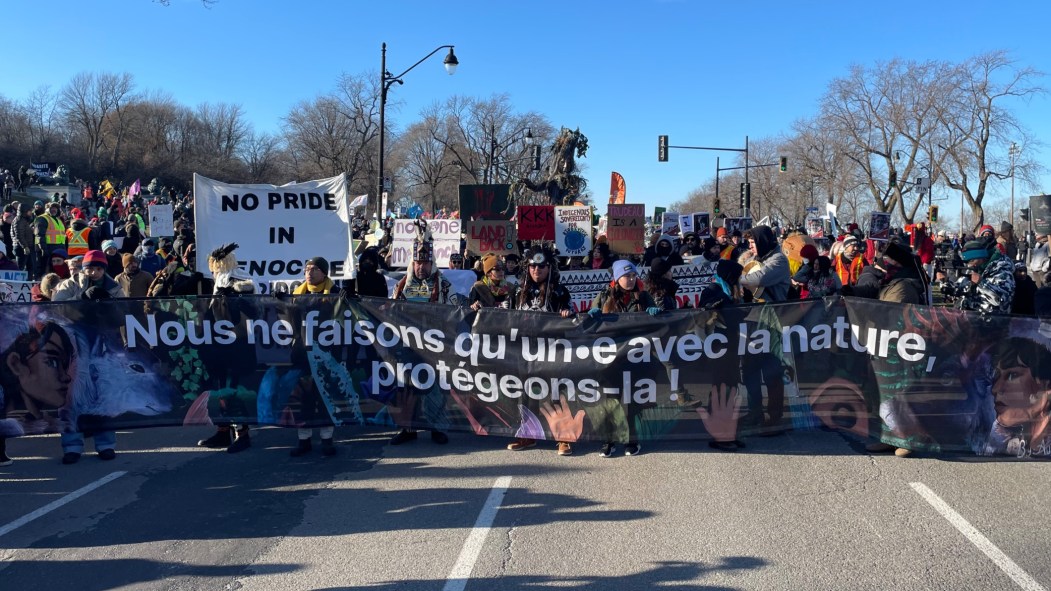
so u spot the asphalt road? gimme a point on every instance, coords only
(801, 511)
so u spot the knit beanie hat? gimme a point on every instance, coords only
(975, 249)
(899, 253)
(127, 258)
(622, 268)
(107, 244)
(808, 253)
(95, 257)
(658, 268)
(320, 263)
(986, 228)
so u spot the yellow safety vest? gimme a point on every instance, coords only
(56, 230)
(78, 241)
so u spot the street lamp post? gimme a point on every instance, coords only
(386, 81)
(1014, 151)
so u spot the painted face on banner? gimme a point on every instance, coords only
(43, 374)
(1018, 396)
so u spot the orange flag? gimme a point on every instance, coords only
(617, 189)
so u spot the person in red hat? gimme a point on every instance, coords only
(91, 283)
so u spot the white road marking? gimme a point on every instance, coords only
(10, 527)
(461, 572)
(972, 534)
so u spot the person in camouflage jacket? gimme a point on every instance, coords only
(993, 276)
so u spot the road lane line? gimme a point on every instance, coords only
(1001, 560)
(10, 527)
(461, 572)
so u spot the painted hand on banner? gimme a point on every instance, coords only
(563, 424)
(721, 422)
(462, 402)
(402, 408)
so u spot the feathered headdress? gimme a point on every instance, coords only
(222, 252)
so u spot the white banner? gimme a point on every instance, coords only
(277, 228)
(161, 220)
(573, 230)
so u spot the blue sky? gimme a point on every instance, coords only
(705, 73)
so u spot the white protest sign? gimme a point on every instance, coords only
(445, 234)
(161, 220)
(16, 292)
(14, 276)
(686, 224)
(276, 228)
(573, 230)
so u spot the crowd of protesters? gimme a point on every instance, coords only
(101, 248)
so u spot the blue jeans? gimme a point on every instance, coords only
(74, 442)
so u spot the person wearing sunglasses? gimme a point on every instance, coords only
(539, 290)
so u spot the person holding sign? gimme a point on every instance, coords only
(624, 294)
(423, 284)
(539, 290)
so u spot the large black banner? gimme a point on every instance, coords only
(924, 378)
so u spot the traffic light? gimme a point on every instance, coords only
(932, 214)
(717, 207)
(742, 198)
(746, 197)
(784, 164)
(536, 157)
(1025, 214)
(893, 178)
(662, 148)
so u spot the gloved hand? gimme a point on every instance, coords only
(653, 310)
(595, 312)
(282, 295)
(347, 294)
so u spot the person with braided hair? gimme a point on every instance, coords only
(539, 290)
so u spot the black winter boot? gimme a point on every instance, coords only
(303, 448)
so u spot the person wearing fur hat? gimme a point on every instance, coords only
(539, 290)
(225, 364)
(492, 290)
(849, 263)
(423, 283)
(133, 280)
(623, 295)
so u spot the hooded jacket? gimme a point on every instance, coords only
(773, 274)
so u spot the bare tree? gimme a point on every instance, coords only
(40, 110)
(88, 101)
(339, 132)
(976, 127)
